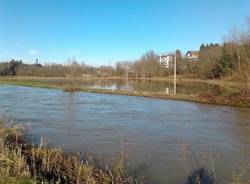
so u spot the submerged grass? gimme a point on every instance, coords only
(23, 163)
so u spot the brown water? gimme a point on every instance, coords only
(164, 140)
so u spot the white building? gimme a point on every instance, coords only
(166, 59)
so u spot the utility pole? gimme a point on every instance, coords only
(175, 73)
(36, 65)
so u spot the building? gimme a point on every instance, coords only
(192, 55)
(166, 59)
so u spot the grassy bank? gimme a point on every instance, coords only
(24, 163)
(234, 98)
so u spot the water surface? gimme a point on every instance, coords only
(162, 86)
(164, 140)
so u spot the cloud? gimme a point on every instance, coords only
(32, 52)
(74, 52)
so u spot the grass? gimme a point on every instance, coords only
(23, 163)
(16, 180)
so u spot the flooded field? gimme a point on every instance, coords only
(132, 85)
(164, 140)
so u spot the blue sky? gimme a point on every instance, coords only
(100, 32)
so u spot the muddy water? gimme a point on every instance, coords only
(164, 140)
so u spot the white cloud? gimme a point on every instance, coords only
(74, 52)
(33, 52)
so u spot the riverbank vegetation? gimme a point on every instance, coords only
(24, 163)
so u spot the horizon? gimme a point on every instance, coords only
(102, 33)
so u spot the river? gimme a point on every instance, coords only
(164, 140)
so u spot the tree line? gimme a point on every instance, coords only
(71, 69)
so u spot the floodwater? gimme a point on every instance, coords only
(164, 140)
(167, 86)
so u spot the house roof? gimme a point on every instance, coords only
(193, 52)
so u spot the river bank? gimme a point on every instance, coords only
(230, 95)
(22, 162)
(26, 163)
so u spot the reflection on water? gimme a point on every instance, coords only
(150, 85)
(164, 140)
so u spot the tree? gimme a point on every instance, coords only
(202, 46)
(209, 57)
(225, 64)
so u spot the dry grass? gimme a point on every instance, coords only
(12, 161)
(21, 162)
